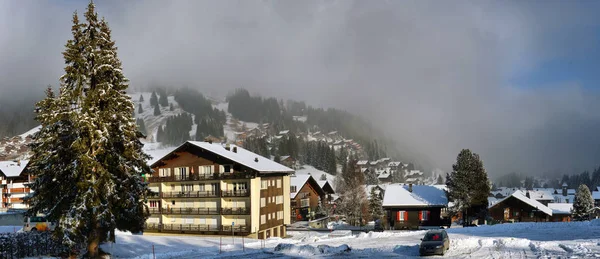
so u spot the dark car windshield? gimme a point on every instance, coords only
(433, 237)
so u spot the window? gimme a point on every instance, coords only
(201, 187)
(189, 220)
(181, 172)
(207, 169)
(263, 219)
(173, 202)
(263, 184)
(269, 216)
(240, 186)
(278, 183)
(202, 221)
(305, 202)
(279, 215)
(424, 215)
(293, 188)
(187, 188)
(163, 172)
(263, 202)
(153, 204)
(273, 215)
(280, 199)
(401, 215)
(172, 187)
(227, 168)
(269, 183)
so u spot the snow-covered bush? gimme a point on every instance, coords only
(26, 244)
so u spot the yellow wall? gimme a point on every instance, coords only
(286, 200)
(196, 219)
(255, 204)
(190, 203)
(238, 219)
(239, 202)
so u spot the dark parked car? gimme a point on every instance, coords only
(434, 242)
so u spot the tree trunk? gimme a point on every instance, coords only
(112, 237)
(93, 243)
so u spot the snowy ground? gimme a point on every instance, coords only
(519, 240)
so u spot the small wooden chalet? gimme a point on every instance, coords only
(305, 196)
(414, 206)
(517, 207)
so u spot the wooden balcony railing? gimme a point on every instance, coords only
(197, 177)
(191, 211)
(19, 190)
(236, 193)
(154, 210)
(235, 211)
(196, 194)
(12, 200)
(194, 228)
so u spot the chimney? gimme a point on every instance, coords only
(256, 159)
(234, 149)
(564, 189)
(410, 187)
(527, 194)
(18, 162)
(227, 147)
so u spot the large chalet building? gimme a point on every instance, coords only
(14, 181)
(206, 188)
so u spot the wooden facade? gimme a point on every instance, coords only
(414, 217)
(14, 189)
(512, 209)
(307, 200)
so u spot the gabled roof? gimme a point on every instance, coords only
(531, 202)
(561, 208)
(12, 169)
(242, 156)
(326, 187)
(362, 162)
(300, 180)
(421, 196)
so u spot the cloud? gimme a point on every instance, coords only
(435, 75)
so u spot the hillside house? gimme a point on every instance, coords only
(288, 161)
(306, 196)
(517, 207)
(561, 212)
(210, 188)
(414, 206)
(14, 181)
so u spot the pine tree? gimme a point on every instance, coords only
(140, 109)
(583, 203)
(468, 184)
(162, 99)
(156, 110)
(160, 134)
(141, 126)
(141, 98)
(350, 187)
(153, 99)
(101, 153)
(375, 205)
(440, 180)
(171, 108)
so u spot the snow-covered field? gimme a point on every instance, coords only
(519, 240)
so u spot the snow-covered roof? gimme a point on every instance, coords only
(333, 132)
(492, 201)
(383, 175)
(283, 132)
(284, 157)
(394, 163)
(520, 195)
(31, 132)
(12, 168)
(541, 195)
(242, 156)
(421, 196)
(596, 195)
(561, 208)
(298, 181)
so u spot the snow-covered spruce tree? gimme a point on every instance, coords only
(88, 159)
(162, 99)
(350, 187)
(440, 180)
(156, 110)
(375, 205)
(141, 98)
(153, 99)
(140, 109)
(583, 203)
(468, 185)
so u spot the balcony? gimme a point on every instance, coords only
(236, 228)
(197, 194)
(153, 227)
(19, 190)
(154, 211)
(197, 177)
(236, 193)
(12, 200)
(153, 195)
(235, 211)
(191, 211)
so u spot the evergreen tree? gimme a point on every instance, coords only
(171, 108)
(101, 153)
(440, 180)
(140, 109)
(156, 110)
(528, 183)
(371, 177)
(160, 134)
(141, 98)
(141, 126)
(468, 185)
(350, 187)
(375, 205)
(583, 203)
(153, 99)
(277, 159)
(162, 99)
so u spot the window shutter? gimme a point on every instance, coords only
(421, 215)
(428, 213)
(406, 215)
(398, 216)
